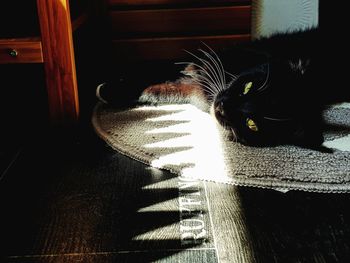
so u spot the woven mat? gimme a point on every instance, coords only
(188, 142)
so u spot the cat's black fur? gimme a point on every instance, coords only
(270, 91)
(291, 84)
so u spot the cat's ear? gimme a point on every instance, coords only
(299, 65)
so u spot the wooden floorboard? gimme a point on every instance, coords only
(256, 225)
(77, 199)
(193, 256)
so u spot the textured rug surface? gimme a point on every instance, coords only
(188, 142)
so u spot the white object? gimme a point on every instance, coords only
(271, 16)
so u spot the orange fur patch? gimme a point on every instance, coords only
(178, 89)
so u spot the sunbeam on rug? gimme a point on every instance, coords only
(202, 156)
(188, 142)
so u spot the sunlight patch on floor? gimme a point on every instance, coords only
(201, 137)
(155, 235)
(163, 206)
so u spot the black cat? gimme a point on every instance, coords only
(270, 91)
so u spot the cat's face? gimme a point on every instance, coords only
(267, 103)
(261, 108)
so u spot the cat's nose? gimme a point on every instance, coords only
(219, 109)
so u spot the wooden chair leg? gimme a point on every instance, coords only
(59, 61)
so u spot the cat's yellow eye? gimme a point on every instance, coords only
(251, 125)
(247, 87)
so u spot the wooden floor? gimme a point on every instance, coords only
(68, 197)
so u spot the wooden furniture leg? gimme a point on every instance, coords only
(59, 61)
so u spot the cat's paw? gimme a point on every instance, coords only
(111, 93)
(166, 93)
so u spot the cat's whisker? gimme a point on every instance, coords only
(210, 98)
(203, 78)
(233, 76)
(215, 76)
(217, 67)
(203, 81)
(264, 85)
(203, 71)
(210, 68)
(276, 119)
(218, 59)
(234, 135)
(205, 87)
(205, 62)
(193, 73)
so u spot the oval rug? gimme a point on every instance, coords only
(187, 142)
